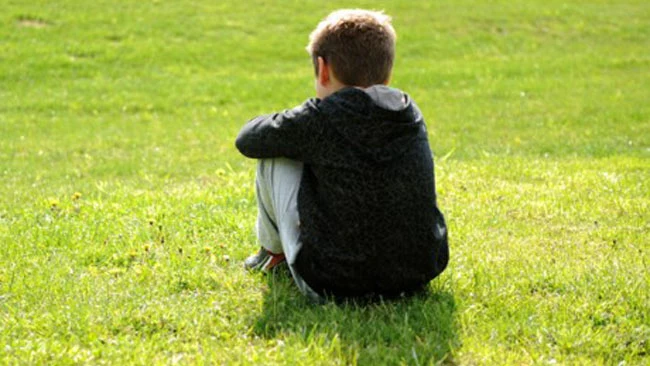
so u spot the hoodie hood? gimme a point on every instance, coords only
(379, 122)
(387, 98)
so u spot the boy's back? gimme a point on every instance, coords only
(367, 204)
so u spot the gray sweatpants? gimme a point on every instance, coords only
(278, 222)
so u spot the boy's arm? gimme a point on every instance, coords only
(286, 134)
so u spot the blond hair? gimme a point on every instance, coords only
(358, 45)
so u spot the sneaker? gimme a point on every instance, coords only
(264, 260)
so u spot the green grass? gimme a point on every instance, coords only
(538, 114)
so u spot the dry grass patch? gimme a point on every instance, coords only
(32, 22)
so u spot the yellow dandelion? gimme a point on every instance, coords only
(146, 247)
(133, 254)
(76, 196)
(207, 250)
(54, 203)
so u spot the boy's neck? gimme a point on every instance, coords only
(326, 81)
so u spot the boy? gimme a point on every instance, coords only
(345, 183)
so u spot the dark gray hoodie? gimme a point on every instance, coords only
(367, 200)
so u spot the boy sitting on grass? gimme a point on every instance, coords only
(345, 182)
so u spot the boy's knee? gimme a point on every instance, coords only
(279, 167)
(265, 168)
(261, 163)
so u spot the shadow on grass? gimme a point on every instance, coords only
(415, 330)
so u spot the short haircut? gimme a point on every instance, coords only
(358, 45)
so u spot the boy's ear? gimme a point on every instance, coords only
(323, 72)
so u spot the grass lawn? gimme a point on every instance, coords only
(126, 212)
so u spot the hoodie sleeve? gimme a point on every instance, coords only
(286, 134)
